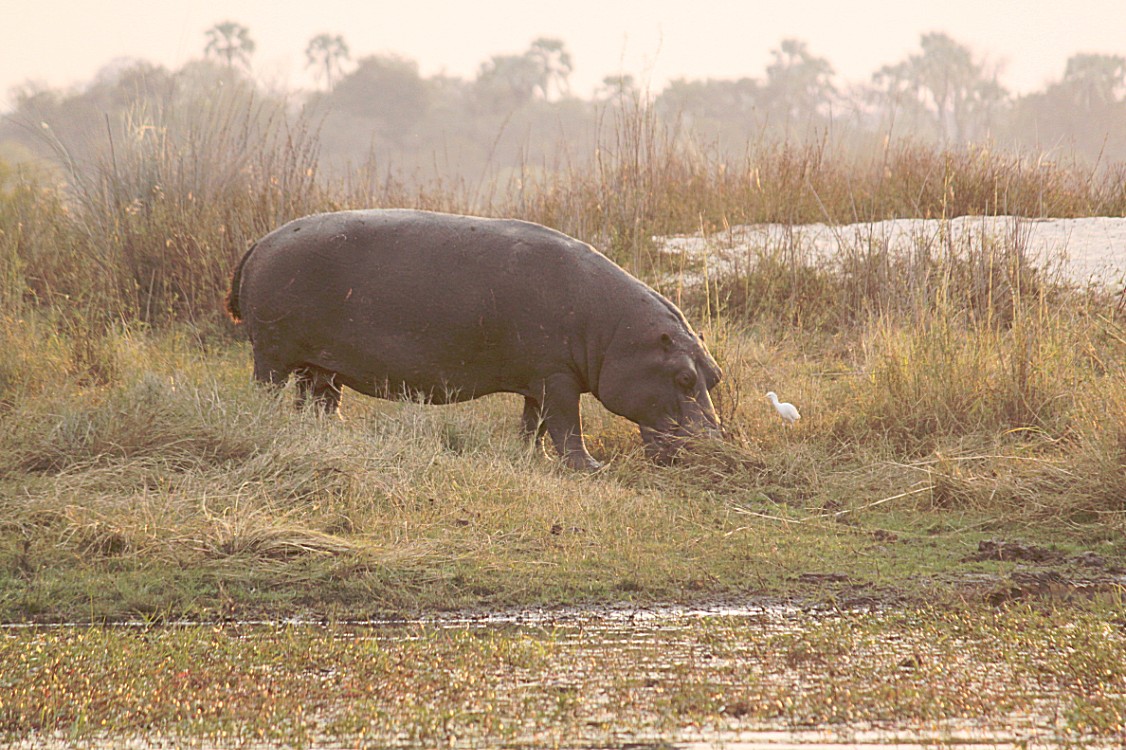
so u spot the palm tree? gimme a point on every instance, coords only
(508, 81)
(1094, 81)
(327, 53)
(798, 82)
(943, 82)
(618, 88)
(231, 42)
(553, 62)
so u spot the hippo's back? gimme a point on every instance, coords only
(404, 253)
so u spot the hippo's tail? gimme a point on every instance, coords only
(236, 282)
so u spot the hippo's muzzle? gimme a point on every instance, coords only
(662, 444)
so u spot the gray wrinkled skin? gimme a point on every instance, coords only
(399, 303)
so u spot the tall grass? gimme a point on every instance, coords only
(645, 181)
(151, 223)
(176, 195)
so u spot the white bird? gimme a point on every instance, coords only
(787, 411)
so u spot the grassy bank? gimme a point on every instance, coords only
(950, 399)
(169, 486)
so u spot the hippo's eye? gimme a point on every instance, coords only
(686, 379)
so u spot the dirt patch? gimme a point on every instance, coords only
(1005, 551)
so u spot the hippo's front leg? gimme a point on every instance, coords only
(560, 415)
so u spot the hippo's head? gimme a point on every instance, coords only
(659, 375)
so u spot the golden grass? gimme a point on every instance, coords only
(181, 464)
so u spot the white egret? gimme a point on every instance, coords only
(787, 411)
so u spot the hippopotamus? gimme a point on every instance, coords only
(398, 303)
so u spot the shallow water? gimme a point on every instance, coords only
(684, 677)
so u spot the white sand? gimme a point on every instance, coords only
(1084, 250)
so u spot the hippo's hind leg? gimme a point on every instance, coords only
(320, 386)
(532, 422)
(270, 373)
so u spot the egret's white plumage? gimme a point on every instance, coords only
(787, 411)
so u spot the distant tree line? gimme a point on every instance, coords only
(518, 112)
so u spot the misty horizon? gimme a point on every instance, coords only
(520, 109)
(55, 44)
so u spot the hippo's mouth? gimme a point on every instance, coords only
(662, 445)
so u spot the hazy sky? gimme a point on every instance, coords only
(63, 42)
